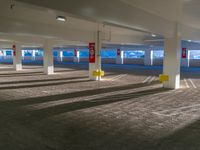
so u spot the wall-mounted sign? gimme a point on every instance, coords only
(184, 52)
(75, 52)
(92, 52)
(14, 50)
(118, 52)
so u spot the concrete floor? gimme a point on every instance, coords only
(128, 110)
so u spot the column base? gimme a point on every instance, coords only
(173, 83)
(92, 68)
(18, 67)
(49, 71)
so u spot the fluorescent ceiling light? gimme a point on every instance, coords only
(153, 35)
(61, 18)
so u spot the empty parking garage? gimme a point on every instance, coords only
(99, 75)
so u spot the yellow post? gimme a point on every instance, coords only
(98, 73)
(164, 78)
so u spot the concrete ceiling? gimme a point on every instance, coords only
(30, 24)
(159, 16)
(186, 11)
(125, 21)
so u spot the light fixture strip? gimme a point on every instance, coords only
(61, 18)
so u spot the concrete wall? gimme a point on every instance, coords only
(158, 62)
(27, 58)
(39, 58)
(194, 62)
(68, 59)
(7, 57)
(108, 60)
(83, 59)
(136, 61)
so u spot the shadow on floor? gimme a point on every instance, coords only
(37, 115)
(91, 92)
(7, 69)
(21, 74)
(55, 110)
(28, 123)
(42, 85)
(186, 138)
(46, 80)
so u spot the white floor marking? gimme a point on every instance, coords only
(117, 77)
(146, 80)
(187, 85)
(123, 75)
(152, 79)
(112, 78)
(194, 86)
(176, 111)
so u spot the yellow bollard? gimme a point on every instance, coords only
(98, 73)
(164, 78)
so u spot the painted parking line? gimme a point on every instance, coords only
(117, 77)
(189, 83)
(194, 86)
(152, 79)
(186, 83)
(178, 110)
(149, 79)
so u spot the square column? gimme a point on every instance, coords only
(23, 54)
(33, 54)
(148, 58)
(95, 56)
(4, 54)
(17, 57)
(172, 59)
(48, 59)
(76, 56)
(185, 61)
(120, 57)
(60, 56)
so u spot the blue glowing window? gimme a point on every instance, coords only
(134, 54)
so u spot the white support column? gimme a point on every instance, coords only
(17, 57)
(120, 57)
(33, 54)
(48, 59)
(172, 59)
(4, 54)
(60, 56)
(76, 56)
(148, 57)
(185, 62)
(23, 54)
(97, 64)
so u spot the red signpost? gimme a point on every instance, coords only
(184, 52)
(14, 50)
(118, 52)
(75, 52)
(92, 52)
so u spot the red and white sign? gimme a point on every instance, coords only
(118, 52)
(14, 50)
(184, 52)
(75, 52)
(92, 52)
